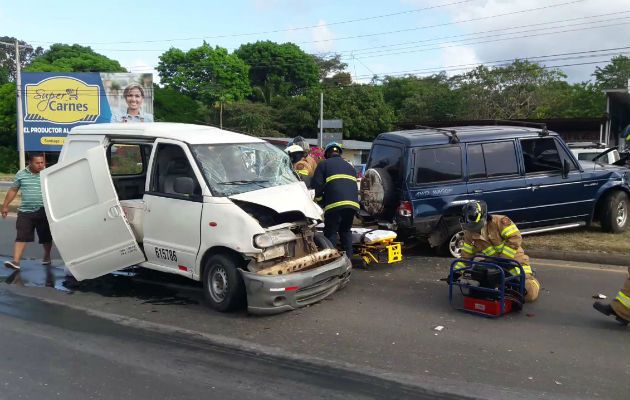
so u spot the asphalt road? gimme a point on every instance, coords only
(382, 326)
(52, 351)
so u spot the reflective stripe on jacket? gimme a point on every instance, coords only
(335, 184)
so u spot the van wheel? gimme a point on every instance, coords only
(222, 285)
(377, 192)
(614, 217)
(322, 242)
(453, 246)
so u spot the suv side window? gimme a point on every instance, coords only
(171, 163)
(492, 160)
(439, 164)
(541, 155)
(389, 158)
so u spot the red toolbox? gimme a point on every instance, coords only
(488, 307)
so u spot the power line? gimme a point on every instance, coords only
(282, 30)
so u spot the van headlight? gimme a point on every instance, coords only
(273, 238)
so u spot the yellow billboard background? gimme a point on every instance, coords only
(62, 100)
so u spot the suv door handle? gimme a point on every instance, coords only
(534, 187)
(477, 191)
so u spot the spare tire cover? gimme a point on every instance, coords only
(377, 192)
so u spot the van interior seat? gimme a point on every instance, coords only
(176, 168)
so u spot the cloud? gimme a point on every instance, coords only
(323, 37)
(580, 33)
(264, 4)
(460, 58)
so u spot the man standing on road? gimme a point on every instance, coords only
(31, 213)
(335, 185)
(495, 236)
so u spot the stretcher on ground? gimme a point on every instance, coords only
(375, 246)
(488, 289)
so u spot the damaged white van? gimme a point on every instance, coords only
(197, 201)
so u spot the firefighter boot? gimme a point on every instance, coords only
(606, 309)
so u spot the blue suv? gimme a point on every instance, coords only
(416, 182)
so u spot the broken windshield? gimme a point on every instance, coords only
(238, 168)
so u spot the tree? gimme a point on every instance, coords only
(422, 99)
(614, 75)
(363, 109)
(8, 139)
(7, 57)
(169, 105)
(328, 66)
(512, 91)
(205, 73)
(73, 58)
(278, 69)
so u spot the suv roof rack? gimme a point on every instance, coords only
(587, 145)
(450, 133)
(543, 127)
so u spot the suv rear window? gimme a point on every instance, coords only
(388, 158)
(492, 160)
(439, 164)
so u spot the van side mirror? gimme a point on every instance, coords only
(566, 167)
(184, 185)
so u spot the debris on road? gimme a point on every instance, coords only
(438, 328)
(599, 296)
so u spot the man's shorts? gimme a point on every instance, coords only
(28, 222)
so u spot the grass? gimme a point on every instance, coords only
(15, 203)
(588, 239)
(6, 177)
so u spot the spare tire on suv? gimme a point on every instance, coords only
(378, 197)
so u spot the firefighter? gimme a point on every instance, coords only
(496, 236)
(335, 185)
(297, 154)
(620, 306)
(307, 163)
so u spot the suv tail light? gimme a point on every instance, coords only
(405, 209)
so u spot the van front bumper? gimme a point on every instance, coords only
(272, 294)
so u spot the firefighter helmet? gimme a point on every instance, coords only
(474, 215)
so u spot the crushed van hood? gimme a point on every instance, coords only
(293, 197)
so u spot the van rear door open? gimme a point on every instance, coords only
(85, 217)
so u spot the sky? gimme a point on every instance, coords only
(393, 37)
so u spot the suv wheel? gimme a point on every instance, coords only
(453, 246)
(614, 217)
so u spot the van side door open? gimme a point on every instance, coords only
(85, 217)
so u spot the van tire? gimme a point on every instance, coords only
(322, 242)
(615, 209)
(377, 193)
(223, 286)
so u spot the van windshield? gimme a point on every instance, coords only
(238, 168)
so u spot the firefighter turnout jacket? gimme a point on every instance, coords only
(335, 184)
(306, 166)
(621, 303)
(501, 238)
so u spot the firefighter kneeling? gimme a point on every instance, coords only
(495, 236)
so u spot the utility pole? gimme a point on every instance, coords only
(321, 120)
(18, 89)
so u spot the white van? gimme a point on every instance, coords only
(197, 201)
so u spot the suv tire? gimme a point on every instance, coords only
(453, 246)
(322, 242)
(223, 286)
(614, 216)
(377, 192)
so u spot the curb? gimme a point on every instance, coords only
(581, 256)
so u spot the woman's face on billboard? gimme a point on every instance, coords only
(134, 100)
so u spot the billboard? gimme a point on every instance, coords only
(55, 102)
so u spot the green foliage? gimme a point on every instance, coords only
(205, 73)
(509, 92)
(8, 159)
(614, 75)
(8, 123)
(278, 69)
(73, 58)
(422, 99)
(257, 119)
(7, 58)
(363, 109)
(169, 105)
